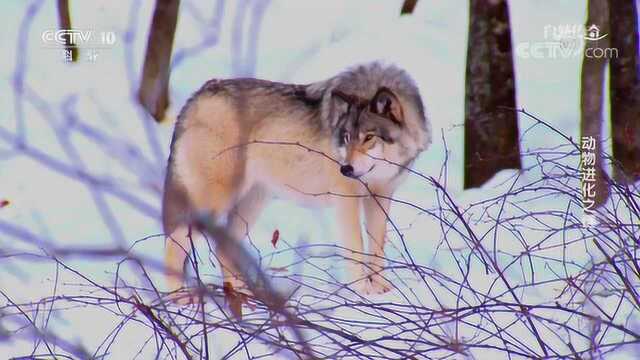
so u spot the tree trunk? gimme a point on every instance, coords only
(64, 21)
(154, 86)
(490, 133)
(624, 88)
(591, 95)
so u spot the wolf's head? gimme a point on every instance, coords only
(377, 120)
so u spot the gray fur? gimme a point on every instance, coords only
(364, 81)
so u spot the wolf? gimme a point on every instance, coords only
(345, 142)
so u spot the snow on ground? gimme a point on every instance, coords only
(301, 42)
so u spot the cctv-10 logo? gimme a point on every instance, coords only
(75, 38)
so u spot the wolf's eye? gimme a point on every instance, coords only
(369, 137)
(346, 138)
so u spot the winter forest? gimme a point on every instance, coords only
(515, 235)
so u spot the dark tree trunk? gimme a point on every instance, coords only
(591, 94)
(490, 133)
(154, 85)
(624, 87)
(408, 6)
(64, 21)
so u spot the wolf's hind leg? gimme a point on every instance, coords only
(175, 221)
(179, 242)
(206, 190)
(178, 247)
(241, 219)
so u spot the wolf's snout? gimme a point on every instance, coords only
(346, 170)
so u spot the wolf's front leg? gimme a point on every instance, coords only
(348, 216)
(375, 211)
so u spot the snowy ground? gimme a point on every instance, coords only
(117, 145)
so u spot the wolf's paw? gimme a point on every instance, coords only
(378, 284)
(373, 284)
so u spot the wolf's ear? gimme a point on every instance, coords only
(338, 106)
(386, 103)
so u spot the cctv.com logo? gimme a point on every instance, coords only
(567, 41)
